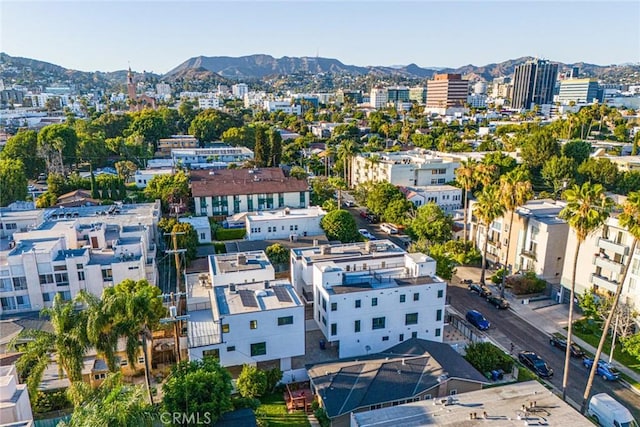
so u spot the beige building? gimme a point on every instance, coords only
(447, 90)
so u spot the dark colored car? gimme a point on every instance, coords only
(477, 319)
(534, 362)
(481, 290)
(498, 302)
(466, 281)
(561, 343)
(605, 370)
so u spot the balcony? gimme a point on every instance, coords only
(529, 254)
(608, 264)
(608, 245)
(604, 283)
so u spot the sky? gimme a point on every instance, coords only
(109, 35)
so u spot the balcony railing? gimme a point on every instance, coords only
(608, 264)
(609, 245)
(529, 254)
(603, 282)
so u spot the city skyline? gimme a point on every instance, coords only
(158, 36)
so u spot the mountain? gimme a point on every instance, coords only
(262, 66)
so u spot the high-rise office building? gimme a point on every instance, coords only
(397, 94)
(379, 97)
(533, 83)
(579, 91)
(447, 90)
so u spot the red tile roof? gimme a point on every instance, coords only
(232, 182)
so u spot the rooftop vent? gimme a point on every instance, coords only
(267, 285)
(242, 259)
(325, 250)
(232, 288)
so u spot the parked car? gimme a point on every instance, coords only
(348, 203)
(477, 319)
(606, 411)
(466, 281)
(364, 213)
(388, 228)
(605, 370)
(561, 343)
(498, 302)
(373, 218)
(534, 362)
(365, 233)
(481, 290)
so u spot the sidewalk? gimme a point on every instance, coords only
(545, 315)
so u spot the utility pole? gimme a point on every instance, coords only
(176, 252)
(175, 310)
(174, 319)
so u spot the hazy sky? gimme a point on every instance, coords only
(159, 35)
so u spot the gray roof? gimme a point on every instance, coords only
(399, 373)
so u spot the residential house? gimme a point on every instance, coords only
(166, 145)
(447, 197)
(201, 226)
(284, 223)
(218, 156)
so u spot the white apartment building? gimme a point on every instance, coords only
(285, 106)
(15, 406)
(208, 102)
(239, 90)
(220, 155)
(163, 89)
(73, 249)
(538, 239)
(406, 168)
(448, 197)
(284, 224)
(601, 262)
(253, 320)
(369, 296)
(19, 217)
(201, 225)
(378, 97)
(143, 176)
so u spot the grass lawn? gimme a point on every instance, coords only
(274, 411)
(593, 337)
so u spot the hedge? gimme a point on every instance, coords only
(230, 233)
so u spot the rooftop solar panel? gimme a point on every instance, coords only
(282, 294)
(248, 298)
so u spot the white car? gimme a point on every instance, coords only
(365, 233)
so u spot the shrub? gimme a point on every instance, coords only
(274, 376)
(527, 283)
(252, 382)
(497, 278)
(48, 401)
(322, 417)
(245, 402)
(486, 357)
(230, 233)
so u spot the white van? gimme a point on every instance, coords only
(388, 228)
(608, 412)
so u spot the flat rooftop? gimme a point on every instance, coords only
(286, 214)
(123, 215)
(236, 262)
(258, 296)
(502, 405)
(34, 245)
(358, 282)
(360, 250)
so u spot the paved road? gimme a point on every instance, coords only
(507, 328)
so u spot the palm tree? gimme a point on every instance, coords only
(586, 211)
(102, 332)
(68, 342)
(629, 219)
(465, 175)
(515, 189)
(488, 207)
(346, 151)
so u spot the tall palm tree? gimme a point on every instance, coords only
(629, 219)
(68, 341)
(488, 207)
(586, 211)
(465, 175)
(515, 189)
(346, 151)
(102, 331)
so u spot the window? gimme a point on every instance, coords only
(46, 278)
(62, 279)
(231, 348)
(334, 329)
(303, 199)
(124, 362)
(66, 295)
(211, 353)
(141, 359)
(99, 376)
(46, 297)
(253, 324)
(23, 301)
(80, 275)
(437, 332)
(258, 349)
(374, 302)
(411, 319)
(453, 392)
(225, 328)
(414, 335)
(334, 306)
(438, 315)
(20, 283)
(79, 266)
(358, 303)
(356, 326)
(403, 298)
(324, 321)
(288, 320)
(440, 293)
(377, 323)
(385, 338)
(107, 274)
(416, 297)
(427, 397)
(401, 338)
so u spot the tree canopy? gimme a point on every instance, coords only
(340, 225)
(13, 181)
(431, 224)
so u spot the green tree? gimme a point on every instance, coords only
(628, 181)
(586, 211)
(599, 171)
(168, 188)
(321, 191)
(298, 173)
(186, 113)
(261, 150)
(489, 206)
(150, 125)
(113, 403)
(539, 146)
(504, 162)
(240, 136)
(209, 125)
(466, 178)
(340, 225)
(381, 195)
(629, 219)
(578, 150)
(398, 211)
(187, 237)
(23, 146)
(198, 387)
(431, 224)
(92, 149)
(275, 143)
(57, 144)
(112, 125)
(558, 172)
(67, 340)
(346, 151)
(13, 182)
(339, 184)
(126, 169)
(515, 189)
(252, 382)
(277, 254)
(631, 345)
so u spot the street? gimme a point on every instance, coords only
(507, 328)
